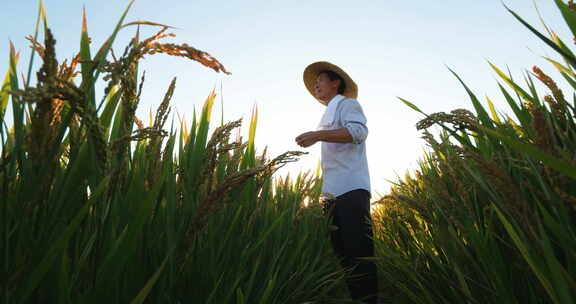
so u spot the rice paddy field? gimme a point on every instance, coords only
(96, 207)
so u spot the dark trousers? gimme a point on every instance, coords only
(350, 213)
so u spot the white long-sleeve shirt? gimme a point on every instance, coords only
(344, 165)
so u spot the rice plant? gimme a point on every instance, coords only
(98, 208)
(490, 215)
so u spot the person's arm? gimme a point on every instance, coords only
(337, 136)
(341, 135)
(354, 131)
(354, 121)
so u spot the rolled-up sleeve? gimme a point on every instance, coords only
(354, 120)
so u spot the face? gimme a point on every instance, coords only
(324, 88)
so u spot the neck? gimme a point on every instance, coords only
(330, 97)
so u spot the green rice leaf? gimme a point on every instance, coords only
(560, 165)
(482, 114)
(141, 297)
(146, 23)
(59, 245)
(111, 105)
(41, 16)
(249, 160)
(6, 87)
(411, 105)
(103, 52)
(520, 112)
(85, 61)
(513, 85)
(570, 58)
(569, 79)
(18, 115)
(562, 290)
(563, 46)
(559, 66)
(568, 14)
(199, 138)
(269, 289)
(532, 88)
(495, 116)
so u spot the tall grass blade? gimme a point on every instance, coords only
(58, 246)
(141, 297)
(530, 258)
(85, 59)
(560, 165)
(568, 15)
(567, 56)
(481, 112)
(6, 87)
(495, 116)
(513, 85)
(41, 17)
(146, 23)
(101, 56)
(411, 105)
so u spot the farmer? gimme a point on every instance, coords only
(342, 131)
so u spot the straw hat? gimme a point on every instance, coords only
(311, 72)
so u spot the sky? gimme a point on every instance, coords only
(391, 49)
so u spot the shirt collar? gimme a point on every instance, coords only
(335, 100)
(330, 112)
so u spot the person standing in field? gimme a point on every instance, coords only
(342, 132)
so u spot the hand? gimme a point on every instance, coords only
(307, 139)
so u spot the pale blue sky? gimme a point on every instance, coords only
(390, 48)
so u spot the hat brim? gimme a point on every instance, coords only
(312, 71)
